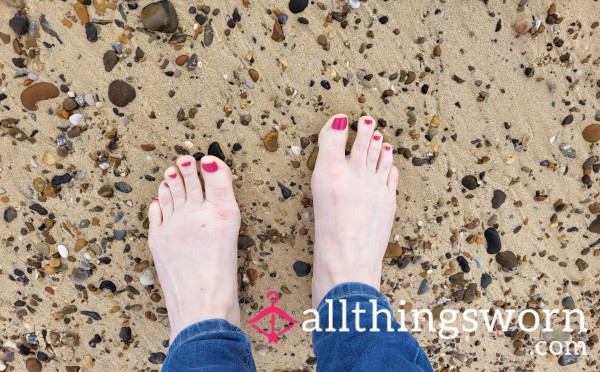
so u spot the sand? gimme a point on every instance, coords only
(472, 138)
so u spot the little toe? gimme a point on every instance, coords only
(358, 155)
(155, 214)
(217, 181)
(332, 140)
(392, 180)
(175, 181)
(386, 158)
(165, 200)
(374, 151)
(189, 172)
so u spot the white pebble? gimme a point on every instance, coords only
(296, 150)
(147, 277)
(2, 366)
(76, 119)
(89, 99)
(32, 76)
(62, 250)
(354, 4)
(104, 166)
(71, 94)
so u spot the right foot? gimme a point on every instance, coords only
(193, 238)
(354, 201)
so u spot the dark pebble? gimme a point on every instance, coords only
(119, 234)
(157, 358)
(41, 356)
(91, 32)
(282, 18)
(424, 287)
(297, 6)
(198, 156)
(568, 303)
(498, 199)
(10, 214)
(107, 285)
(424, 88)
(110, 60)
(303, 20)
(325, 84)
(120, 93)
(311, 361)
(507, 259)
(39, 209)
(463, 263)
(285, 192)
(383, 20)
(529, 71)
(486, 280)
(215, 150)
(92, 314)
(470, 182)
(567, 120)
(95, 340)
(19, 23)
(302, 268)
(567, 359)
(494, 245)
(123, 187)
(125, 334)
(498, 25)
(59, 180)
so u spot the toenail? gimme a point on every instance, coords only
(388, 147)
(166, 184)
(155, 199)
(394, 164)
(376, 138)
(173, 175)
(340, 123)
(368, 121)
(210, 167)
(186, 164)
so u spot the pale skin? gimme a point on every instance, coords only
(193, 230)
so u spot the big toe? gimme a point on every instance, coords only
(217, 181)
(332, 140)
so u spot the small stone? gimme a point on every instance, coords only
(10, 214)
(160, 16)
(277, 34)
(568, 302)
(494, 245)
(147, 277)
(297, 6)
(285, 192)
(49, 159)
(253, 75)
(270, 141)
(567, 120)
(157, 358)
(125, 334)
(38, 92)
(62, 179)
(110, 60)
(424, 287)
(322, 40)
(19, 23)
(39, 184)
(181, 60)
(106, 191)
(119, 234)
(302, 268)
(81, 11)
(354, 4)
(507, 259)
(76, 119)
(486, 280)
(70, 104)
(591, 133)
(62, 250)
(463, 263)
(581, 264)
(107, 285)
(92, 314)
(215, 150)
(393, 250)
(567, 359)
(470, 182)
(498, 199)
(523, 26)
(595, 226)
(120, 93)
(33, 365)
(79, 275)
(91, 32)
(312, 159)
(123, 187)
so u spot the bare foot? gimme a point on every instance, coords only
(354, 199)
(193, 239)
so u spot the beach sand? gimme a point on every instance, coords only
(485, 101)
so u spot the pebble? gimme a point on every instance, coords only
(79, 275)
(567, 359)
(33, 365)
(567, 120)
(214, 149)
(507, 259)
(19, 23)
(92, 314)
(595, 226)
(270, 141)
(125, 334)
(49, 159)
(354, 4)
(312, 159)
(123, 187)
(119, 234)
(76, 119)
(120, 93)
(523, 26)
(62, 250)
(147, 277)
(470, 182)
(486, 280)
(81, 11)
(285, 192)
(110, 60)
(253, 74)
(39, 184)
(160, 16)
(297, 6)
(157, 358)
(91, 32)
(38, 92)
(424, 287)
(494, 245)
(591, 133)
(278, 34)
(567, 150)
(106, 191)
(498, 199)
(302, 268)
(463, 263)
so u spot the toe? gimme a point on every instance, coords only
(374, 151)
(175, 181)
(392, 180)
(358, 155)
(386, 159)
(154, 214)
(217, 181)
(332, 140)
(189, 172)
(165, 200)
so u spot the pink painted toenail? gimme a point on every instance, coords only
(155, 199)
(186, 164)
(394, 164)
(340, 123)
(210, 167)
(368, 121)
(376, 138)
(388, 147)
(173, 175)
(166, 184)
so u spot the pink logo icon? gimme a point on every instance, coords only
(273, 311)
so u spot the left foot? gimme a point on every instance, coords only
(193, 238)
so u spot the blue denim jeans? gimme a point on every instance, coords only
(217, 345)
